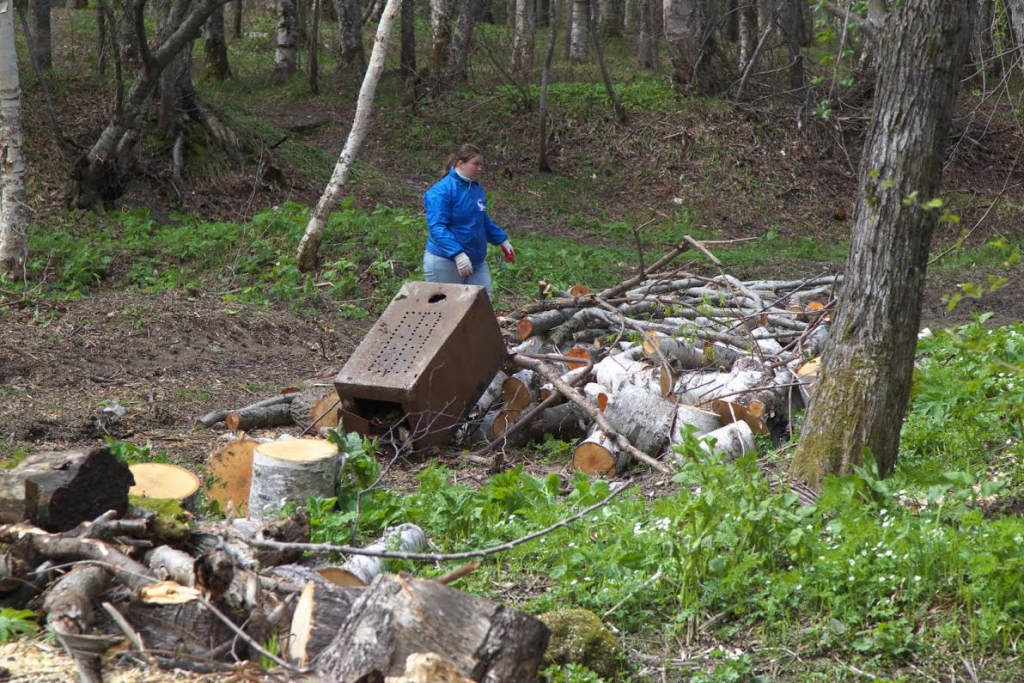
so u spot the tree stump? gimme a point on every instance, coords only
(165, 481)
(230, 470)
(486, 641)
(56, 491)
(291, 470)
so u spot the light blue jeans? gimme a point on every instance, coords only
(441, 269)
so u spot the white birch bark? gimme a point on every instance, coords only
(13, 212)
(286, 49)
(578, 37)
(309, 247)
(523, 37)
(441, 34)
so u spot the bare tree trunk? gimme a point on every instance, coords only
(748, 33)
(129, 53)
(578, 39)
(792, 22)
(39, 11)
(458, 66)
(309, 247)
(610, 17)
(542, 162)
(523, 38)
(351, 56)
(314, 50)
(696, 63)
(13, 212)
(215, 47)
(286, 42)
(440, 35)
(620, 111)
(569, 12)
(102, 174)
(647, 34)
(864, 384)
(983, 47)
(236, 17)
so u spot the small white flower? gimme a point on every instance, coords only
(917, 578)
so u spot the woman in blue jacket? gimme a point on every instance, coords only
(460, 228)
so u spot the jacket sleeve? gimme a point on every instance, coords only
(438, 203)
(495, 235)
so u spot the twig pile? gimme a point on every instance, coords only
(628, 368)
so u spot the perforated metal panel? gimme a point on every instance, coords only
(426, 360)
(409, 340)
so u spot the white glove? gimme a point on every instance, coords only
(463, 264)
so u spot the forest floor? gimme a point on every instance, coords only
(169, 359)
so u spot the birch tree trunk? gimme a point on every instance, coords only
(862, 391)
(309, 246)
(578, 37)
(523, 37)
(286, 42)
(458, 65)
(440, 35)
(13, 213)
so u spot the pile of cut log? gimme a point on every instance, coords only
(207, 596)
(634, 370)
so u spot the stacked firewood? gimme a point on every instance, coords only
(633, 371)
(165, 589)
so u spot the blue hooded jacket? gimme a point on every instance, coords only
(457, 219)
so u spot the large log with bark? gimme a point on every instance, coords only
(172, 619)
(57, 491)
(360, 570)
(486, 641)
(319, 612)
(642, 416)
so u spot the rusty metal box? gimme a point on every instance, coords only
(426, 360)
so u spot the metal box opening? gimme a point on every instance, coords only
(426, 360)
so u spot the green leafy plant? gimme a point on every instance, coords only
(15, 623)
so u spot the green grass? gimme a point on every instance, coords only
(880, 574)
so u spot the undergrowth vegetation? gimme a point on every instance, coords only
(722, 575)
(877, 573)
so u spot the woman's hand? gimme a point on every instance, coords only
(464, 265)
(510, 253)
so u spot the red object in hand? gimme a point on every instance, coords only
(510, 254)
